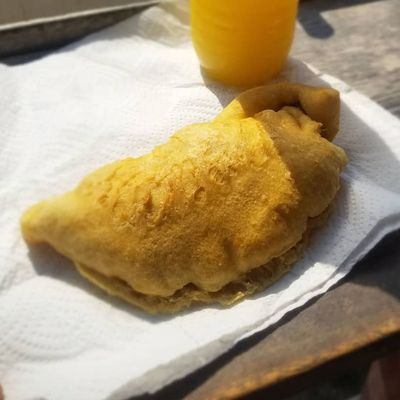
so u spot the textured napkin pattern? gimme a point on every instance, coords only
(119, 93)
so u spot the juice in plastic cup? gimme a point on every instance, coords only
(242, 42)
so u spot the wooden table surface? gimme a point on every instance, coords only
(358, 320)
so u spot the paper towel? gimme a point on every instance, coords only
(119, 93)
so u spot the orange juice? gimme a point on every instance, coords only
(242, 42)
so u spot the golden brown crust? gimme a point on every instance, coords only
(249, 283)
(214, 202)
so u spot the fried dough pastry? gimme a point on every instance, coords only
(218, 212)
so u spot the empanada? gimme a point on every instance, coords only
(219, 211)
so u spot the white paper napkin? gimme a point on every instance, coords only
(119, 93)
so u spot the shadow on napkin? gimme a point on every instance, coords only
(46, 261)
(368, 153)
(380, 268)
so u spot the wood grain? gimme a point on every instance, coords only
(363, 48)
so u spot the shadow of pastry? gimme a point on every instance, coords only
(48, 262)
